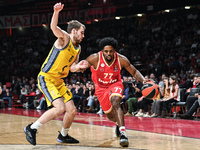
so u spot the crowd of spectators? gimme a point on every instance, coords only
(167, 43)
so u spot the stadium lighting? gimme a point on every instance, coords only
(139, 15)
(117, 18)
(167, 10)
(187, 7)
(96, 20)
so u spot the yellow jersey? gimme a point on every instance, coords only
(58, 61)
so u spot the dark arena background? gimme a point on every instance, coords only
(160, 38)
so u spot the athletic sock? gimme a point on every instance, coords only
(36, 125)
(64, 132)
(122, 130)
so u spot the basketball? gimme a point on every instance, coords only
(150, 90)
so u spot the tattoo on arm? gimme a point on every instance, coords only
(139, 76)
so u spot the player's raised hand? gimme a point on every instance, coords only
(58, 7)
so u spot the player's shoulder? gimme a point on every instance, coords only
(121, 57)
(94, 55)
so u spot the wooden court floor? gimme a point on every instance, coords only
(96, 132)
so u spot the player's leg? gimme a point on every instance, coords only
(69, 115)
(112, 117)
(31, 129)
(119, 116)
(53, 97)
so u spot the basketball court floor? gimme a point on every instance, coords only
(96, 132)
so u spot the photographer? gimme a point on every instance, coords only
(133, 95)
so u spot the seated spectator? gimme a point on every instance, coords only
(85, 96)
(23, 92)
(161, 82)
(42, 104)
(38, 97)
(143, 106)
(192, 109)
(30, 98)
(191, 98)
(7, 96)
(77, 96)
(173, 96)
(90, 100)
(155, 108)
(152, 76)
(188, 84)
(133, 94)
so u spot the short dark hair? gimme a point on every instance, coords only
(197, 74)
(74, 24)
(192, 76)
(108, 41)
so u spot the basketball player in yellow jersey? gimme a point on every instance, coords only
(64, 56)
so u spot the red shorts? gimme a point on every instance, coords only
(104, 95)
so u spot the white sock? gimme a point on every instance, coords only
(64, 132)
(36, 125)
(122, 130)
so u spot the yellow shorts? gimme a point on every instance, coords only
(53, 88)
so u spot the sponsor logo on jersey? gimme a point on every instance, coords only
(107, 82)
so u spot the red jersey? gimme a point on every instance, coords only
(104, 75)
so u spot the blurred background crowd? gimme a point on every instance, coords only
(157, 44)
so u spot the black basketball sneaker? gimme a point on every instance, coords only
(30, 134)
(123, 141)
(66, 139)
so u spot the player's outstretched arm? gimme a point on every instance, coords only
(130, 68)
(93, 60)
(60, 34)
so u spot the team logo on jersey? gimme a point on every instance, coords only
(115, 68)
(102, 65)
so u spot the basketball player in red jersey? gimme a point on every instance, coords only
(106, 67)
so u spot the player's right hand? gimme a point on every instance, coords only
(83, 64)
(58, 7)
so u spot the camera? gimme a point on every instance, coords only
(130, 83)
